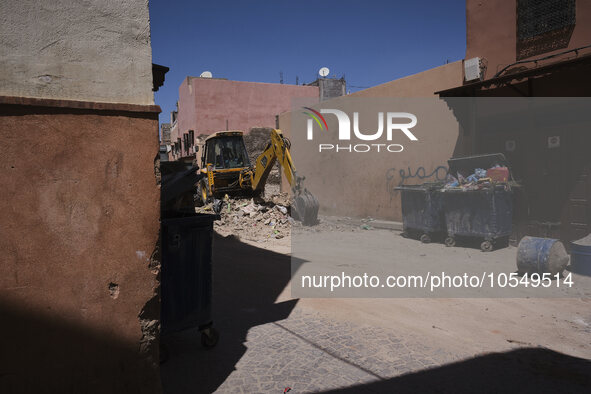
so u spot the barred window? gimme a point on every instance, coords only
(544, 25)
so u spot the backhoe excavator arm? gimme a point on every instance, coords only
(276, 150)
(305, 205)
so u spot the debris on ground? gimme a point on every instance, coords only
(365, 222)
(255, 219)
(268, 218)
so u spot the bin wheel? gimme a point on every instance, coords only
(450, 242)
(209, 337)
(425, 238)
(486, 246)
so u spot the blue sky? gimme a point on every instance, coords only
(369, 42)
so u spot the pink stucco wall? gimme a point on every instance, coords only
(205, 104)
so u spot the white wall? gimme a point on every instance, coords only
(89, 50)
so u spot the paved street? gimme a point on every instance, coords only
(308, 354)
(270, 341)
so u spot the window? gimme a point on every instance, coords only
(227, 152)
(191, 138)
(544, 26)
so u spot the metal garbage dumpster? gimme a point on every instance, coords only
(479, 210)
(422, 214)
(186, 276)
(186, 241)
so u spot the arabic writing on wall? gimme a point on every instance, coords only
(398, 177)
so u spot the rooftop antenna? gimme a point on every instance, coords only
(206, 74)
(323, 72)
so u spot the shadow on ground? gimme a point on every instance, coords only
(42, 352)
(528, 370)
(247, 281)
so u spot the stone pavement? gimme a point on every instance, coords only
(269, 342)
(308, 354)
(267, 345)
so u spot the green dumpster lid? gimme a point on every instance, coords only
(422, 186)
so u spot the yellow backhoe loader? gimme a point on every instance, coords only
(226, 169)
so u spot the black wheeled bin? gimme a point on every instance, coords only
(484, 214)
(186, 277)
(422, 214)
(186, 241)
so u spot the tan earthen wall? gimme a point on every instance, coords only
(79, 209)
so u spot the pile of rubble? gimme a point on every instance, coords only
(253, 219)
(266, 219)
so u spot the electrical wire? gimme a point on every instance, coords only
(539, 59)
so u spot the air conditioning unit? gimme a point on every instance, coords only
(472, 69)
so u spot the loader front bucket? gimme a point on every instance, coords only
(305, 208)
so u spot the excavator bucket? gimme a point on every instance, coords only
(305, 208)
(305, 205)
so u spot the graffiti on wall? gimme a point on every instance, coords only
(398, 177)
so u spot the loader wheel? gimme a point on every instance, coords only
(203, 191)
(197, 198)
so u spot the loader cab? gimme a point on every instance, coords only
(225, 150)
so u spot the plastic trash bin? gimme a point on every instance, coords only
(485, 213)
(186, 276)
(422, 214)
(580, 252)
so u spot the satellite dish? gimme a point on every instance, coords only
(323, 71)
(206, 74)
